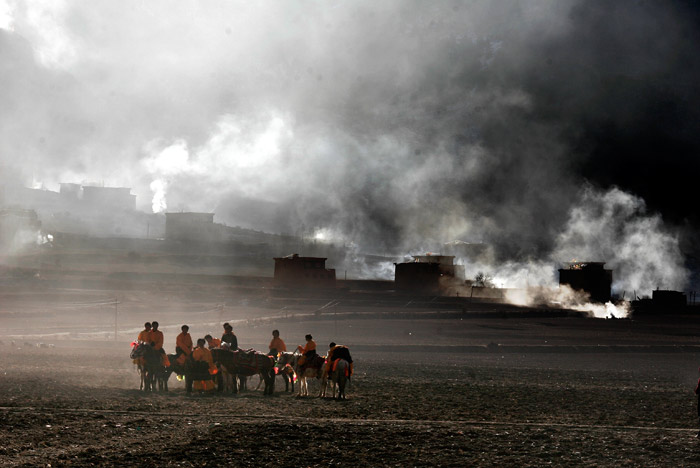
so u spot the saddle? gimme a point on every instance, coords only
(342, 353)
(251, 359)
(315, 362)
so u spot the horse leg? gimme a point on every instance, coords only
(324, 384)
(269, 377)
(142, 377)
(188, 383)
(147, 381)
(227, 378)
(341, 387)
(302, 380)
(234, 388)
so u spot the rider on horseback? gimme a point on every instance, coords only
(276, 345)
(144, 338)
(144, 334)
(308, 353)
(336, 352)
(155, 339)
(229, 337)
(212, 342)
(183, 345)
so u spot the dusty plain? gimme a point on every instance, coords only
(481, 384)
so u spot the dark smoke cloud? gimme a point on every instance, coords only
(394, 125)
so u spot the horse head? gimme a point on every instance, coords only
(138, 349)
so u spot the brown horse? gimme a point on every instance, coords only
(246, 364)
(312, 368)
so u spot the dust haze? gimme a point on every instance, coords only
(397, 126)
(516, 136)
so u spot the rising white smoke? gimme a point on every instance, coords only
(612, 227)
(160, 190)
(565, 297)
(241, 154)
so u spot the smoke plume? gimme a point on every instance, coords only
(396, 126)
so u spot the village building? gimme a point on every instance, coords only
(429, 274)
(589, 277)
(296, 271)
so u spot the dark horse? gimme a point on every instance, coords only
(242, 363)
(192, 370)
(152, 369)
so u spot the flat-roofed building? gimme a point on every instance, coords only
(589, 277)
(428, 273)
(296, 271)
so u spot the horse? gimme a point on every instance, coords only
(313, 369)
(339, 377)
(286, 362)
(246, 364)
(151, 367)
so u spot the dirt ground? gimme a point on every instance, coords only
(80, 406)
(431, 388)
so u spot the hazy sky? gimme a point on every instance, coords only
(393, 124)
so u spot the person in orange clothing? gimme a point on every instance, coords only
(336, 352)
(183, 345)
(212, 342)
(276, 345)
(308, 351)
(144, 337)
(156, 338)
(145, 333)
(202, 354)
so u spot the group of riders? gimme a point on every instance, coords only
(184, 349)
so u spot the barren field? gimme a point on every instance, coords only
(431, 388)
(79, 406)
